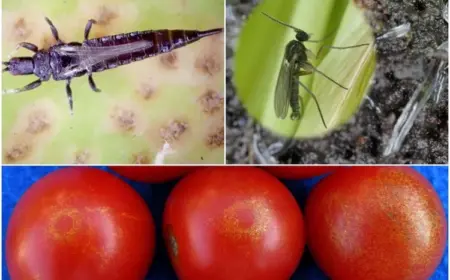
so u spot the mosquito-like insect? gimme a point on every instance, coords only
(295, 63)
(65, 61)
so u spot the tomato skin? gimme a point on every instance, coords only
(153, 174)
(237, 223)
(80, 223)
(376, 223)
(299, 172)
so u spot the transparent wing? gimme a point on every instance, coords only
(90, 56)
(283, 89)
(104, 51)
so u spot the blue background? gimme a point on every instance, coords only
(17, 179)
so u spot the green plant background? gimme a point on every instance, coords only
(259, 53)
(92, 135)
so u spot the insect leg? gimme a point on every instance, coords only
(88, 27)
(340, 48)
(92, 83)
(53, 29)
(69, 95)
(28, 46)
(315, 99)
(308, 67)
(25, 45)
(30, 86)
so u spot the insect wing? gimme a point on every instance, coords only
(89, 56)
(283, 89)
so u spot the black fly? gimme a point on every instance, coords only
(295, 63)
(65, 61)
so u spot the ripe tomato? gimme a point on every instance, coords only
(235, 223)
(299, 172)
(80, 223)
(376, 223)
(153, 174)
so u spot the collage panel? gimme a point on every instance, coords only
(224, 223)
(337, 82)
(113, 82)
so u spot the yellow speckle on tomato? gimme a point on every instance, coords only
(246, 219)
(64, 224)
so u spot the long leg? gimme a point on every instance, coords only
(313, 96)
(87, 29)
(53, 29)
(308, 67)
(92, 83)
(30, 86)
(340, 48)
(69, 95)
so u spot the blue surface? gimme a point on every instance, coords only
(16, 180)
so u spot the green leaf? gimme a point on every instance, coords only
(260, 50)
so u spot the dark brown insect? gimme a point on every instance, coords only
(65, 61)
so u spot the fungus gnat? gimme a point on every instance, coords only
(65, 61)
(295, 63)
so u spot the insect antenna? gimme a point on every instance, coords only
(315, 100)
(282, 23)
(325, 75)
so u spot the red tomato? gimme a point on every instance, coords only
(236, 223)
(376, 223)
(80, 223)
(153, 174)
(299, 172)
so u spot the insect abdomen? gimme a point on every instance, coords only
(180, 38)
(160, 41)
(294, 100)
